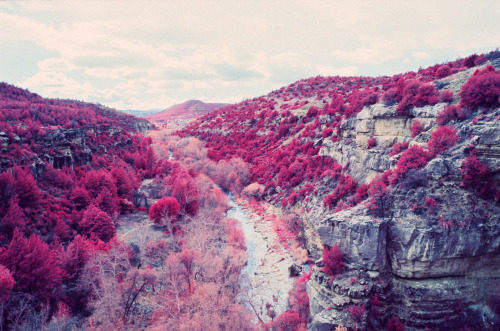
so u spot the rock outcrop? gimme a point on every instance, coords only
(433, 259)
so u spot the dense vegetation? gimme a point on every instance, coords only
(72, 175)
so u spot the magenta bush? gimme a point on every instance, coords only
(333, 260)
(481, 90)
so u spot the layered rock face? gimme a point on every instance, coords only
(432, 259)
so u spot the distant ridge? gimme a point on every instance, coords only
(186, 111)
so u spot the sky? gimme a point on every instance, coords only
(144, 55)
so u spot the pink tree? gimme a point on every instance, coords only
(98, 223)
(165, 211)
(33, 265)
(7, 282)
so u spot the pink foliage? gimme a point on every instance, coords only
(164, 210)
(473, 170)
(356, 311)
(333, 260)
(398, 148)
(481, 90)
(7, 282)
(417, 94)
(416, 128)
(33, 265)
(395, 325)
(372, 142)
(346, 186)
(414, 157)
(446, 96)
(442, 139)
(98, 223)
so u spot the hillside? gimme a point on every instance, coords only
(396, 180)
(184, 112)
(100, 230)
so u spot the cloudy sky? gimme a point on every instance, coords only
(149, 55)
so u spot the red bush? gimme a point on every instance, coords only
(473, 171)
(378, 196)
(443, 71)
(414, 157)
(416, 128)
(164, 210)
(398, 148)
(356, 311)
(481, 90)
(361, 193)
(372, 142)
(98, 223)
(346, 186)
(390, 96)
(395, 325)
(26, 189)
(448, 114)
(442, 139)
(470, 61)
(446, 96)
(14, 218)
(417, 94)
(333, 261)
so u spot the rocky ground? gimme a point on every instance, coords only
(266, 275)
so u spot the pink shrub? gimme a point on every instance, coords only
(417, 94)
(361, 193)
(395, 325)
(378, 196)
(333, 261)
(430, 203)
(446, 96)
(7, 282)
(473, 171)
(481, 90)
(356, 311)
(448, 114)
(443, 71)
(346, 186)
(390, 96)
(416, 128)
(398, 148)
(442, 139)
(372, 142)
(98, 223)
(413, 158)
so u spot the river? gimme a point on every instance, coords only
(266, 276)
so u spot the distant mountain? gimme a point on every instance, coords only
(141, 113)
(186, 111)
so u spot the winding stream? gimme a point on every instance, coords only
(265, 277)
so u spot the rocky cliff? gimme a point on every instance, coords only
(432, 257)
(65, 133)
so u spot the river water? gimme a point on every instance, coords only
(265, 278)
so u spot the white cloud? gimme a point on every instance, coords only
(58, 85)
(55, 64)
(148, 53)
(331, 71)
(421, 55)
(375, 53)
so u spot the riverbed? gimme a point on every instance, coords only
(266, 276)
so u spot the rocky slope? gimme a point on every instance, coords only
(419, 233)
(35, 130)
(431, 266)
